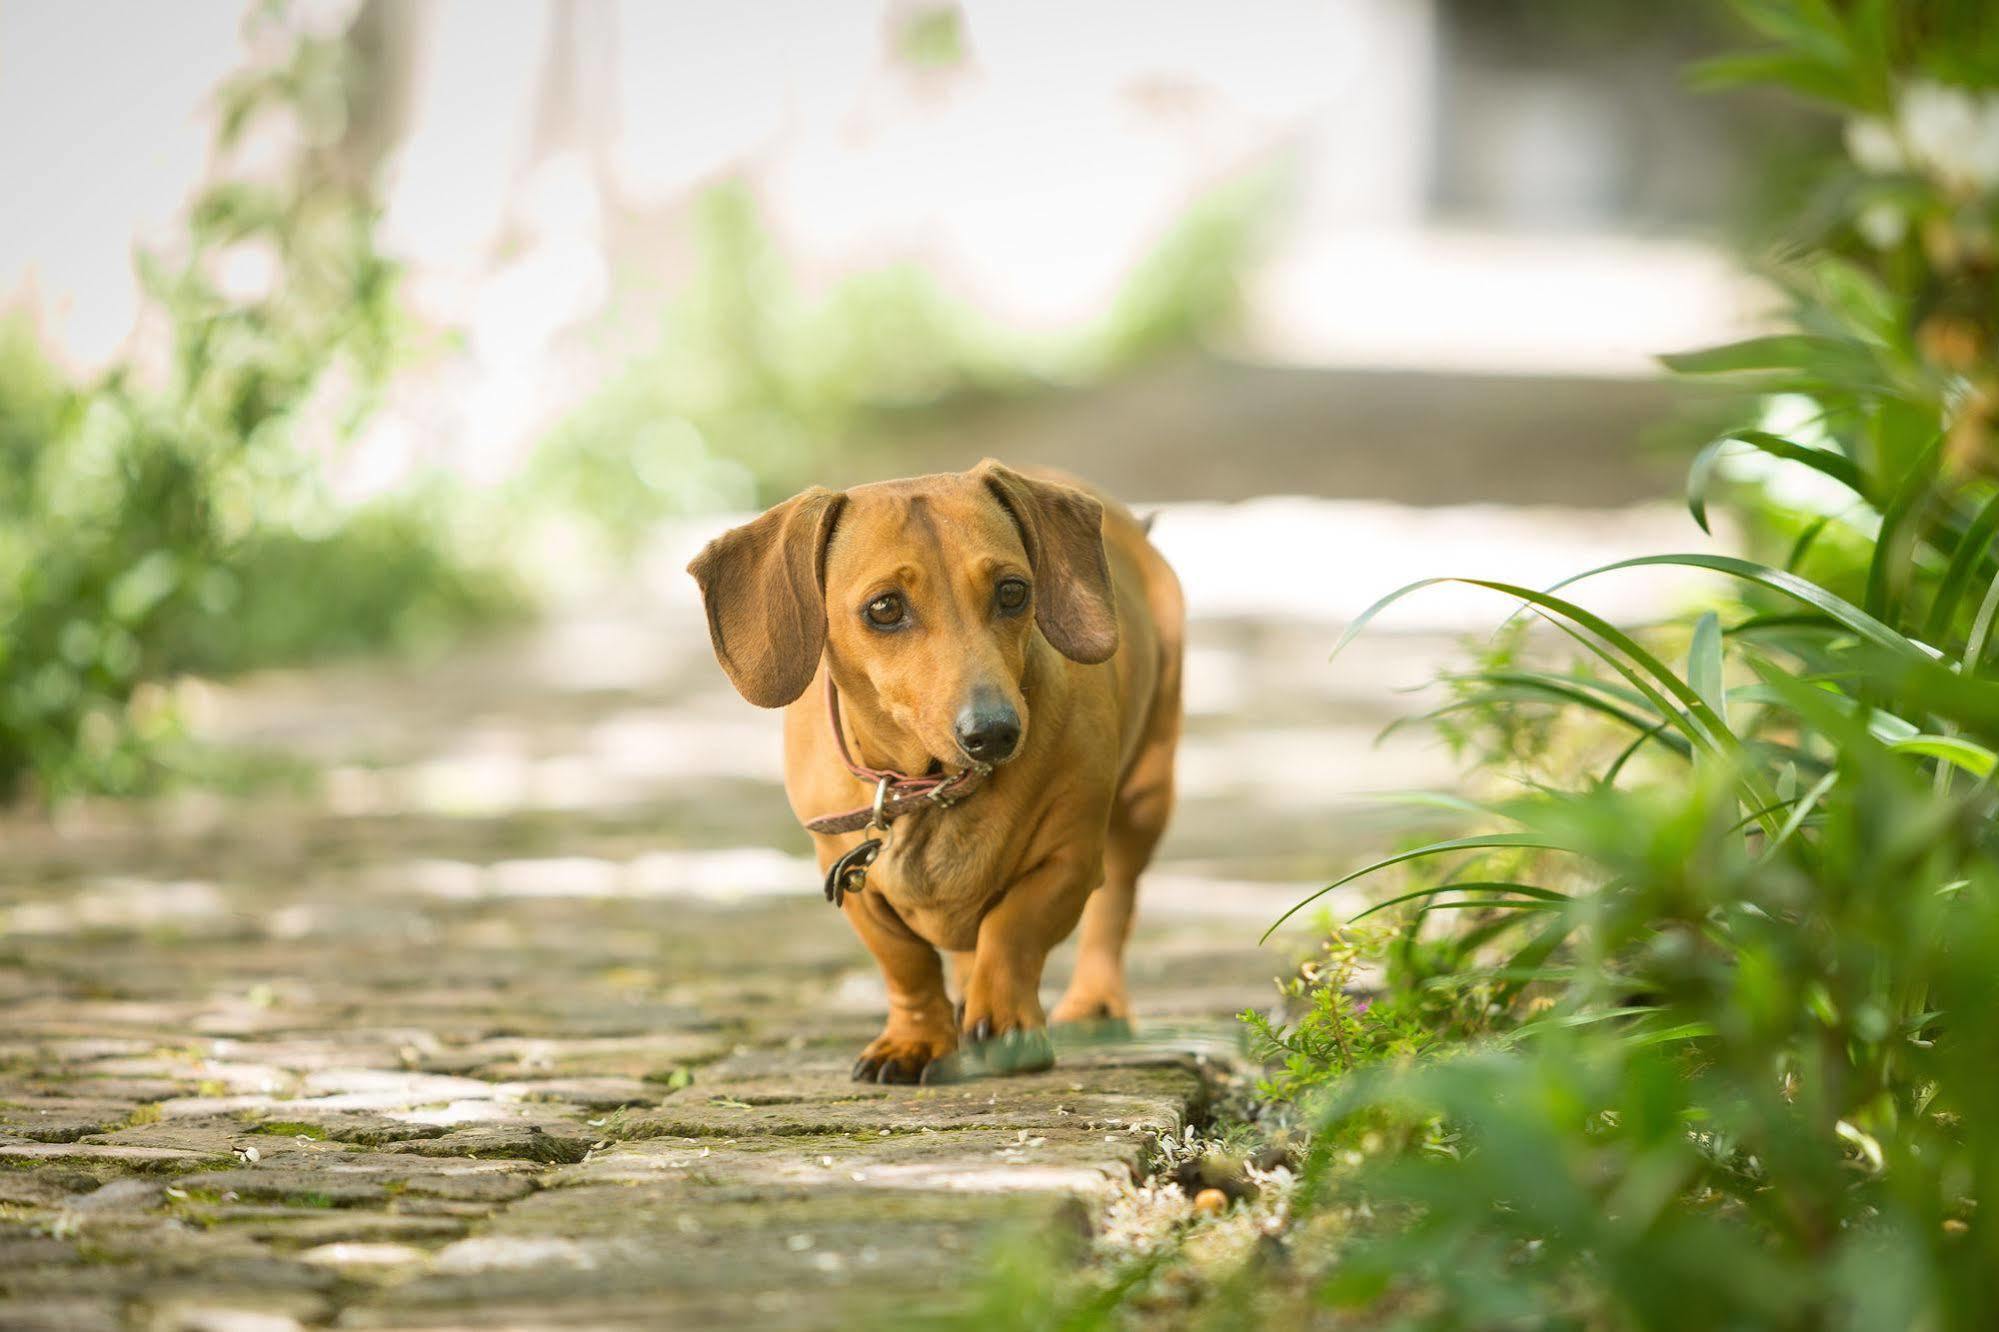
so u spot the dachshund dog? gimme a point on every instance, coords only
(989, 663)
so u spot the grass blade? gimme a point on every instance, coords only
(1704, 664)
(1890, 545)
(1973, 758)
(1483, 842)
(1699, 476)
(1778, 580)
(1971, 552)
(1547, 895)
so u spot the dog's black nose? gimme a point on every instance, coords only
(988, 729)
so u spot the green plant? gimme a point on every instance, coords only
(156, 523)
(1729, 1057)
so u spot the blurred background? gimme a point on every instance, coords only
(338, 330)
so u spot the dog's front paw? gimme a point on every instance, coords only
(1007, 1043)
(906, 1056)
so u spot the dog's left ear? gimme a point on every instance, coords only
(763, 585)
(1063, 530)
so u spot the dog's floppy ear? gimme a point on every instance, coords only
(1063, 530)
(764, 588)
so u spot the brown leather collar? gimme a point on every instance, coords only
(896, 793)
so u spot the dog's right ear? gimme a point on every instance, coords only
(763, 585)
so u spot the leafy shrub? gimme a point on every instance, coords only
(1715, 1047)
(155, 524)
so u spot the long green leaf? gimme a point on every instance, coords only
(1478, 885)
(1704, 664)
(1483, 842)
(1800, 811)
(1495, 903)
(1777, 580)
(1806, 540)
(1701, 725)
(1835, 465)
(1574, 697)
(1609, 777)
(1778, 351)
(1972, 551)
(1801, 74)
(1890, 546)
(1519, 676)
(1445, 800)
(1981, 630)
(1973, 758)
(1668, 682)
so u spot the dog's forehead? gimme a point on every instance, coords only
(948, 513)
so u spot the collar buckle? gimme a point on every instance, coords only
(877, 817)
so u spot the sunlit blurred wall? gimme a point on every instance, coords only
(1029, 173)
(100, 141)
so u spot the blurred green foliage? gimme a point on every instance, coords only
(1696, 1033)
(755, 380)
(153, 523)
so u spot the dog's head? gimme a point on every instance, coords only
(925, 594)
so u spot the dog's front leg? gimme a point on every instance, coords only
(920, 1031)
(1003, 1018)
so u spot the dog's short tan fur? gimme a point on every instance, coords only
(1059, 832)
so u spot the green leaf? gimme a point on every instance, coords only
(1704, 664)
(1609, 777)
(1801, 811)
(1485, 842)
(1806, 540)
(1776, 351)
(1837, 466)
(1801, 74)
(1890, 548)
(1553, 688)
(1972, 551)
(1790, 585)
(1974, 759)
(1812, 26)
(1698, 722)
(1539, 894)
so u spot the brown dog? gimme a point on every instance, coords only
(997, 657)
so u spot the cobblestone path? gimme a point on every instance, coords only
(531, 1013)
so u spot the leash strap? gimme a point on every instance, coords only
(896, 793)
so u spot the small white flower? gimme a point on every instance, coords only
(1882, 225)
(1871, 144)
(1952, 133)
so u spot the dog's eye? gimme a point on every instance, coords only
(885, 611)
(1011, 594)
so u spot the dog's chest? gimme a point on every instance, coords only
(941, 871)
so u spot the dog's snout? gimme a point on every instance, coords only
(988, 729)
